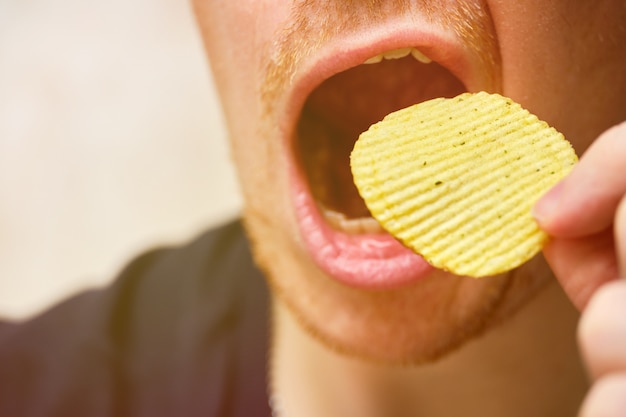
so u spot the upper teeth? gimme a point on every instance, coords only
(400, 53)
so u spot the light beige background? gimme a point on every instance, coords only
(111, 141)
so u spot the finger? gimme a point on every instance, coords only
(585, 201)
(607, 398)
(620, 237)
(582, 265)
(602, 330)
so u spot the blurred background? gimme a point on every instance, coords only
(111, 142)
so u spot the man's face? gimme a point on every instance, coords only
(296, 95)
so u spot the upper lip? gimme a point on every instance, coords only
(342, 54)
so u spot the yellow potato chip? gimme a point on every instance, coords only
(455, 180)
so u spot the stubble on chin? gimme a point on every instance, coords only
(404, 327)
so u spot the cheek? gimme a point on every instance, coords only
(566, 64)
(237, 36)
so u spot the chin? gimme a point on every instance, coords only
(410, 324)
(350, 284)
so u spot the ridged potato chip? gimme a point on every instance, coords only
(455, 180)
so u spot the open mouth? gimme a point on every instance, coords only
(347, 104)
(342, 237)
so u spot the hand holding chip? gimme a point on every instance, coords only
(586, 217)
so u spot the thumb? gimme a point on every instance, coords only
(580, 214)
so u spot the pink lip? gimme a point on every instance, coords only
(366, 260)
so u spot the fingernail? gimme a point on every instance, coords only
(548, 205)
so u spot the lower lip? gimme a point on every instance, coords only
(373, 261)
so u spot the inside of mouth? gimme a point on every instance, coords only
(347, 104)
